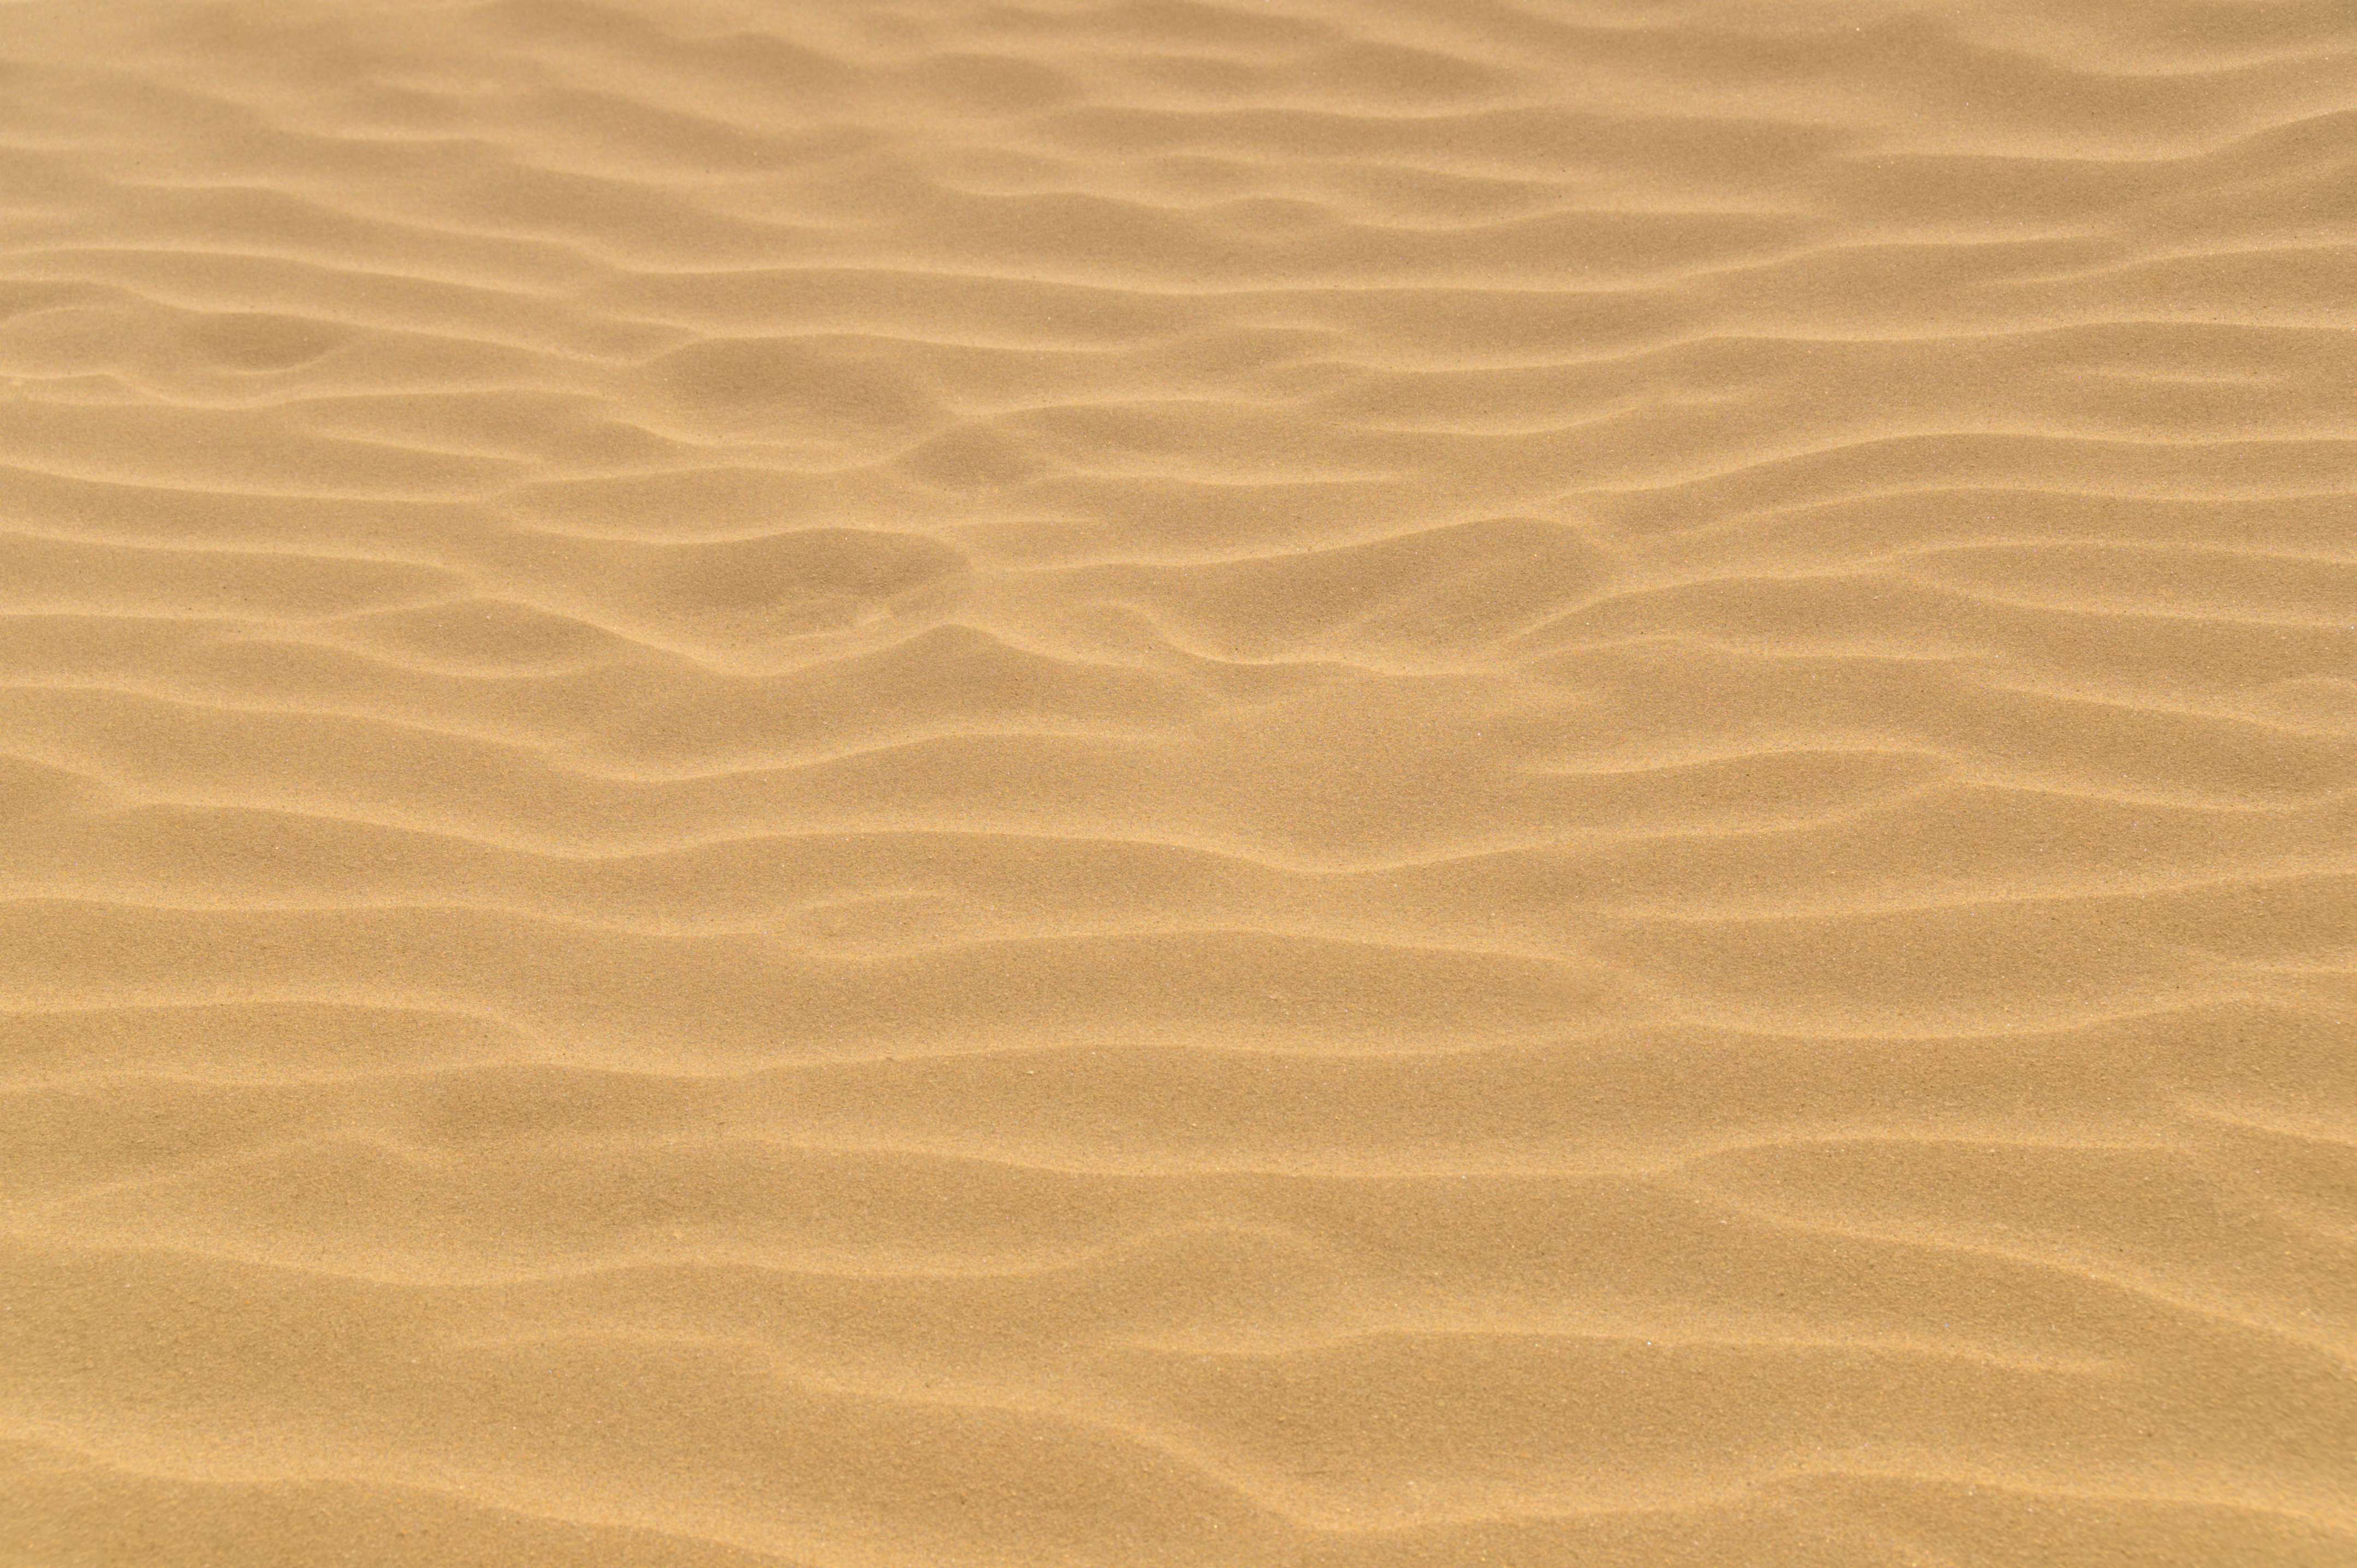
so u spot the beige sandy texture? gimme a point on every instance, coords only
(1157, 784)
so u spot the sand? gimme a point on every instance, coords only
(1149, 783)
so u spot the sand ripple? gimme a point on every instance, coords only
(1351, 784)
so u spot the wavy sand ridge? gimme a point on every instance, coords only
(1340, 785)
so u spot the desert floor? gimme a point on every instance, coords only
(1177, 783)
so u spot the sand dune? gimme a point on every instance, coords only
(1337, 784)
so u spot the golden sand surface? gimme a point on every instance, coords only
(1177, 783)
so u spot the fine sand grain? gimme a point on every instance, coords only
(1177, 783)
